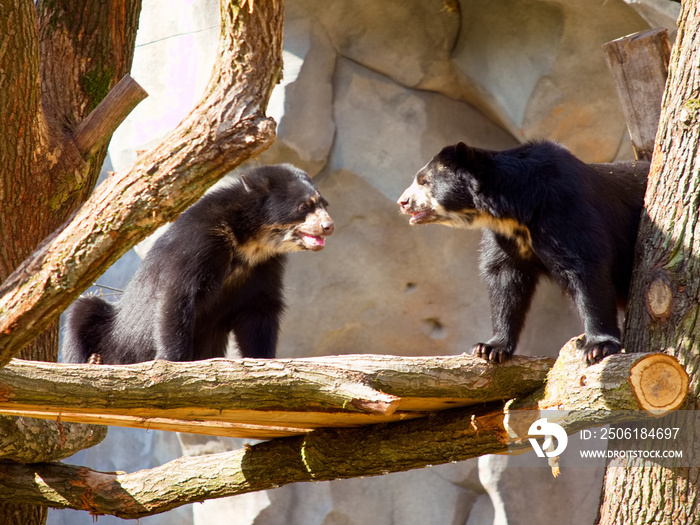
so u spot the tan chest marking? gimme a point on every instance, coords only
(509, 228)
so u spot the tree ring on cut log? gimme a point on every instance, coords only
(659, 383)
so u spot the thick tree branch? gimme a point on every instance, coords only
(262, 398)
(226, 128)
(325, 454)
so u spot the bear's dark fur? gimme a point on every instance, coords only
(217, 269)
(545, 213)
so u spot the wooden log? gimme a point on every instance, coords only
(98, 127)
(272, 398)
(639, 67)
(325, 454)
(623, 387)
(262, 398)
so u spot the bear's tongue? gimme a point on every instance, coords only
(416, 217)
(314, 240)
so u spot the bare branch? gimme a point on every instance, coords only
(97, 128)
(262, 398)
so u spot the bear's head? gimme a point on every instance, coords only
(449, 189)
(293, 211)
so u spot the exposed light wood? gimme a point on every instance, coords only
(639, 67)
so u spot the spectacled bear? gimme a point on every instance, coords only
(544, 213)
(217, 270)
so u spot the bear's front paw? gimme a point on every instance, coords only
(493, 353)
(595, 353)
(95, 359)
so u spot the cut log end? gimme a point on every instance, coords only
(659, 383)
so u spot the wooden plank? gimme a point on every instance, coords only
(639, 67)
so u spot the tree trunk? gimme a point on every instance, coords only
(665, 299)
(22, 513)
(58, 60)
(50, 171)
(42, 99)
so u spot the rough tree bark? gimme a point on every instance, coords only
(270, 398)
(54, 74)
(665, 299)
(56, 64)
(604, 390)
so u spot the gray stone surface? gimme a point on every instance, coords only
(658, 13)
(371, 91)
(527, 495)
(540, 67)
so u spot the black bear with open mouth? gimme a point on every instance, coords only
(216, 270)
(544, 213)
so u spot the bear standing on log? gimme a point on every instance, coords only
(217, 270)
(544, 213)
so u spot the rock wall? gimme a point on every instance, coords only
(371, 91)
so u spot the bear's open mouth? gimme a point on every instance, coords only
(421, 216)
(312, 242)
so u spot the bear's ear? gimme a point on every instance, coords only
(472, 157)
(253, 182)
(464, 153)
(462, 149)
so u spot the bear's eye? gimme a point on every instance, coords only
(422, 179)
(303, 208)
